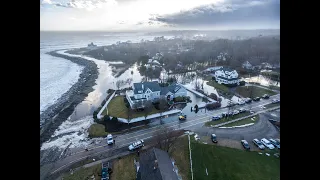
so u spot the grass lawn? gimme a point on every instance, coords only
(224, 119)
(272, 105)
(256, 91)
(218, 86)
(124, 168)
(244, 121)
(227, 163)
(180, 153)
(97, 130)
(117, 108)
(85, 173)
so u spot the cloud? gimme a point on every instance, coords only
(46, 2)
(225, 13)
(88, 5)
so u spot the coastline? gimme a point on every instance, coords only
(54, 115)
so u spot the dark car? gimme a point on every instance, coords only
(242, 110)
(256, 99)
(248, 100)
(245, 144)
(104, 171)
(214, 138)
(214, 118)
(265, 96)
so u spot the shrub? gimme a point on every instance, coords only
(106, 118)
(242, 83)
(110, 91)
(212, 106)
(213, 96)
(114, 119)
(103, 102)
(179, 99)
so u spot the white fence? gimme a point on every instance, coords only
(105, 105)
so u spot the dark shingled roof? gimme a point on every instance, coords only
(173, 88)
(227, 78)
(164, 170)
(153, 86)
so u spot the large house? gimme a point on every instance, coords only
(226, 76)
(247, 65)
(156, 164)
(152, 91)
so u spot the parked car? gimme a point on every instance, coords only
(214, 118)
(275, 101)
(235, 112)
(245, 144)
(275, 143)
(241, 102)
(256, 99)
(225, 114)
(109, 139)
(265, 96)
(252, 112)
(242, 110)
(214, 138)
(182, 117)
(104, 171)
(136, 145)
(248, 100)
(267, 143)
(258, 144)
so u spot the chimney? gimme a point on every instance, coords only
(155, 164)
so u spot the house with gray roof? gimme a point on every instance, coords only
(152, 91)
(226, 75)
(156, 164)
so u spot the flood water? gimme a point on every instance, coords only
(106, 80)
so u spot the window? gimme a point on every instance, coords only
(145, 96)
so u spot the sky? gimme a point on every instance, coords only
(122, 15)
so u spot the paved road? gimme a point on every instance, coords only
(122, 141)
(262, 129)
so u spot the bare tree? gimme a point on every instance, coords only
(118, 84)
(163, 104)
(165, 137)
(147, 108)
(130, 114)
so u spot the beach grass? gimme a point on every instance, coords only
(97, 130)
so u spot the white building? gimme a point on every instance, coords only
(152, 91)
(247, 65)
(227, 76)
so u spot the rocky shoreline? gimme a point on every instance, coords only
(53, 116)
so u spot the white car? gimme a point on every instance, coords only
(275, 143)
(235, 112)
(275, 101)
(258, 144)
(136, 145)
(267, 143)
(109, 139)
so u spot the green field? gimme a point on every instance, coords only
(97, 130)
(117, 108)
(85, 173)
(272, 105)
(218, 86)
(225, 119)
(244, 121)
(245, 91)
(180, 153)
(124, 168)
(227, 163)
